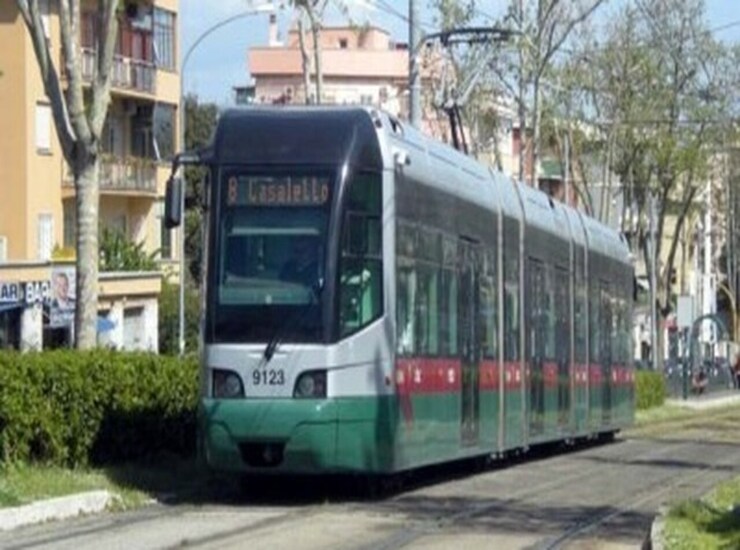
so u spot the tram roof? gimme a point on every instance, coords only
(297, 135)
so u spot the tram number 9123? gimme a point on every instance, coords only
(269, 377)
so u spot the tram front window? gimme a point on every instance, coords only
(269, 258)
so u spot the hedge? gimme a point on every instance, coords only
(650, 389)
(74, 408)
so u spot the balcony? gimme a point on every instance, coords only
(128, 73)
(124, 176)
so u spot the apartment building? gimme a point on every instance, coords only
(360, 66)
(37, 210)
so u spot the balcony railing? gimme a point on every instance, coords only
(124, 174)
(127, 73)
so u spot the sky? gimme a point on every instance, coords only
(219, 62)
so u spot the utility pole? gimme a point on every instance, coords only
(521, 111)
(653, 285)
(414, 77)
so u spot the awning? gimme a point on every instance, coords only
(10, 307)
(105, 324)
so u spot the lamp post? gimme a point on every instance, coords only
(263, 8)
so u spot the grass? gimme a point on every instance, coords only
(135, 484)
(711, 522)
(718, 425)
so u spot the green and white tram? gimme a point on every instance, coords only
(377, 301)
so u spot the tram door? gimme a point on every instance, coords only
(470, 343)
(536, 342)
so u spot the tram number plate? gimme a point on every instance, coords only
(268, 377)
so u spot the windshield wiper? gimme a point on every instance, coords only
(294, 320)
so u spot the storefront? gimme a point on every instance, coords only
(20, 304)
(37, 307)
(10, 325)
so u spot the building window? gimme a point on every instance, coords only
(343, 43)
(43, 128)
(164, 38)
(163, 122)
(45, 236)
(70, 224)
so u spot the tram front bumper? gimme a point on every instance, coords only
(270, 435)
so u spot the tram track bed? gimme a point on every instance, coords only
(602, 496)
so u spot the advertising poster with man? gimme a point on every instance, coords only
(62, 310)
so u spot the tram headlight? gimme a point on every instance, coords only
(227, 385)
(311, 385)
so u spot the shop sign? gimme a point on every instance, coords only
(38, 292)
(32, 292)
(10, 293)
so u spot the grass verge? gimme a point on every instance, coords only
(170, 478)
(718, 425)
(710, 522)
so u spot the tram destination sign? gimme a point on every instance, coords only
(277, 191)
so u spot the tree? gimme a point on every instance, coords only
(545, 26)
(201, 123)
(313, 12)
(661, 90)
(460, 66)
(78, 118)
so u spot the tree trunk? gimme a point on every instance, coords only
(87, 197)
(305, 60)
(536, 119)
(316, 33)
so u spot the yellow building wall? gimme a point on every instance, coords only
(14, 140)
(31, 182)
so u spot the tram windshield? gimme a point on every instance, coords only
(269, 254)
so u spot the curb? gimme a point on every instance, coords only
(655, 538)
(90, 502)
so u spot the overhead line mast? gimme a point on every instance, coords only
(452, 99)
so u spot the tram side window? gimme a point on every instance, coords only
(606, 324)
(511, 306)
(489, 309)
(594, 324)
(406, 289)
(448, 298)
(549, 313)
(361, 265)
(427, 299)
(580, 309)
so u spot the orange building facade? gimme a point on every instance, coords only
(37, 212)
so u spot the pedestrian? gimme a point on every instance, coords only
(736, 369)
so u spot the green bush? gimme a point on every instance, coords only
(74, 408)
(650, 389)
(169, 318)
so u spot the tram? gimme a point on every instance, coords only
(377, 302)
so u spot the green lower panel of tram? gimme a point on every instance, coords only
(298, 436)
(364, 434)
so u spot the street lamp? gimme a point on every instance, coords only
(262, 8)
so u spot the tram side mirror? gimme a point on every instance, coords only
(173, 203)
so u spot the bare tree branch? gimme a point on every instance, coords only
(69, 16)
(49, 75)
(104, 58)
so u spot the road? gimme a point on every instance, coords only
(599, 497)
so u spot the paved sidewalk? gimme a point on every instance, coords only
(721, 398)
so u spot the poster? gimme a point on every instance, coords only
(62, 309)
